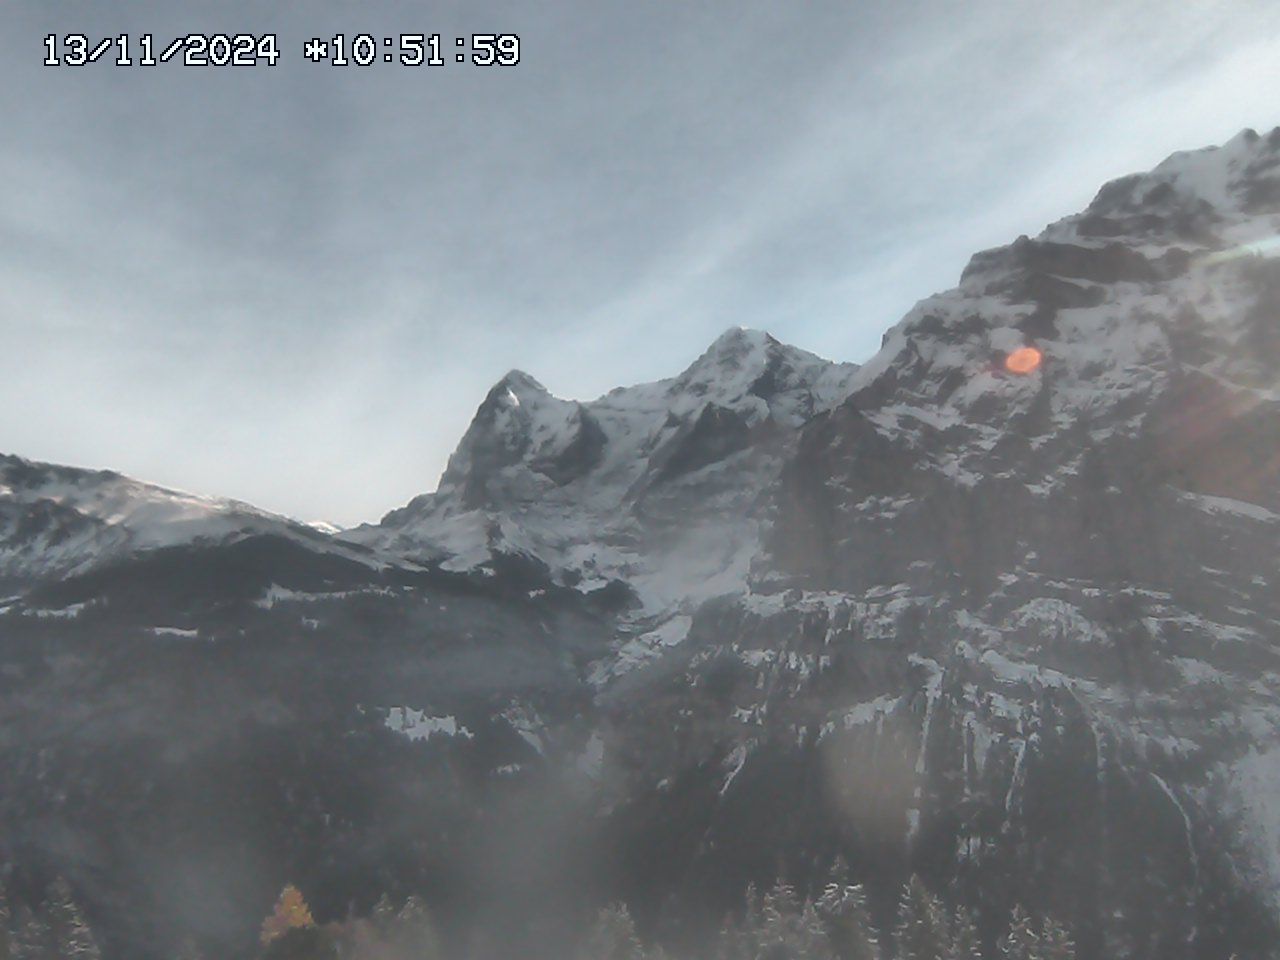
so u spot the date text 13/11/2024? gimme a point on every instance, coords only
(247, 50)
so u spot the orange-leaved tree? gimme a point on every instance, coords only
(291, 913)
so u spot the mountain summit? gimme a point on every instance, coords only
(651, 486)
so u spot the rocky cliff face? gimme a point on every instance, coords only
(1011, 625)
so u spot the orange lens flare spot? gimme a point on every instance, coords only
(1023, 360)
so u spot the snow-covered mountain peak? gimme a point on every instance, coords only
(758, 376)
(737, 350)
(519, 422)
(564, 481)
(518, 382)
(524, 443)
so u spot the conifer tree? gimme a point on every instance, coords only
(1055, 941)
(741, 940)
(72, 938)
(387, 933)
(612, 936)
(6, 950)
(291, 913)
(31, 937)
(781, 901)
(415, 935)
(733, 943)
(1021, 942)
(811, 940)
(790, 929)
(839, 872)
(922, 931)
(843, 908)
(965, 943)
(752, 921)
(383, 914)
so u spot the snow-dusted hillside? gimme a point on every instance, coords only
(61, 521)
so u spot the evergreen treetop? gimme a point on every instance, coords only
(923, 931)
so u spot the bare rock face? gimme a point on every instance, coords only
(1014, 627)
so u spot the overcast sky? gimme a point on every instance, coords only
(292, 285)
